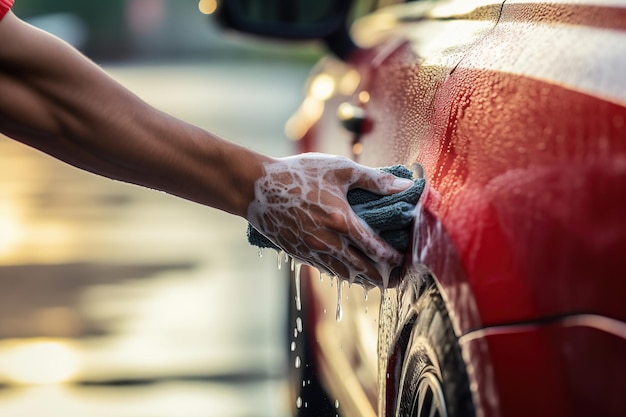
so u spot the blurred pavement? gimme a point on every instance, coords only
(154, 305)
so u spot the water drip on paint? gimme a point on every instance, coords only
(337, 404)
(297, 285)
(299, 324)
(299, 402)
(293, 346)
(298, 362)
(280, 260)
(339, 312)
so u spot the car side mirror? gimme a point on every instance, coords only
(291, 19)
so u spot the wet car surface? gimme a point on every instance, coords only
(512, 297)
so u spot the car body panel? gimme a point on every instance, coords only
(572, 366)
(515, 112)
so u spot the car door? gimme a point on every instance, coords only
(380, 109)
(514, 113)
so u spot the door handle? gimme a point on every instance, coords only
(353, 118)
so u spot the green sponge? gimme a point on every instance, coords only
(390, 215)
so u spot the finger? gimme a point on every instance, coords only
(369, 242)
(376, 249)
(353, 266)
(379, 182)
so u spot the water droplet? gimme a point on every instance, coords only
(293, 346)
(299, 324)
(260, 252)
(366, 294)
(298, 285)
(324, 311)
(295, 333)
(298, 362)
(299, 402)
(336, 403)
(279, 258)
(306, 405)
(339, 312)
(303, 384)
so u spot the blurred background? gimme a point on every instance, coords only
(121, 301)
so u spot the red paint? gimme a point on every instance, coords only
(525, 219)
(555, 369)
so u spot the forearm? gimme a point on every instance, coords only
(158, 151)
(54, 99)
(138, 144)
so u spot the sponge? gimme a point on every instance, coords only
(390, 216)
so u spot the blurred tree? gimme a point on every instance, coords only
(108, 35)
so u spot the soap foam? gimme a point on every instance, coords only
(300, 203)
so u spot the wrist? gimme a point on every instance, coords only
(248, 167)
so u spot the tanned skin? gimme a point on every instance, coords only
(55, 99)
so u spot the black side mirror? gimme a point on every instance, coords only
(291, 19)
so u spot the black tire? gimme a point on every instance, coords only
(434, 380)
(308, 397)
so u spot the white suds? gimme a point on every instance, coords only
(300, 201)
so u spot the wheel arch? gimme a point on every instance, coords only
(432, 261)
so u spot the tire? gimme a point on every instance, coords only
(434, 380)
(308, 397)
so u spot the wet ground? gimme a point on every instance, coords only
(143, 304)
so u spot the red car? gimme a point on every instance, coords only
(513, 298)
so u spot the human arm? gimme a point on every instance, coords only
(54, 99)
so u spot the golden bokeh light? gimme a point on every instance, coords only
(207, 6)
(322, 87)
(349, 82)
(357, 149)
(38, 361)
(309, 112)
(10, 231)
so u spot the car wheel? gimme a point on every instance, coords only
(308, 397)
(434, 380)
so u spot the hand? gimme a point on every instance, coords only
(300, 205)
